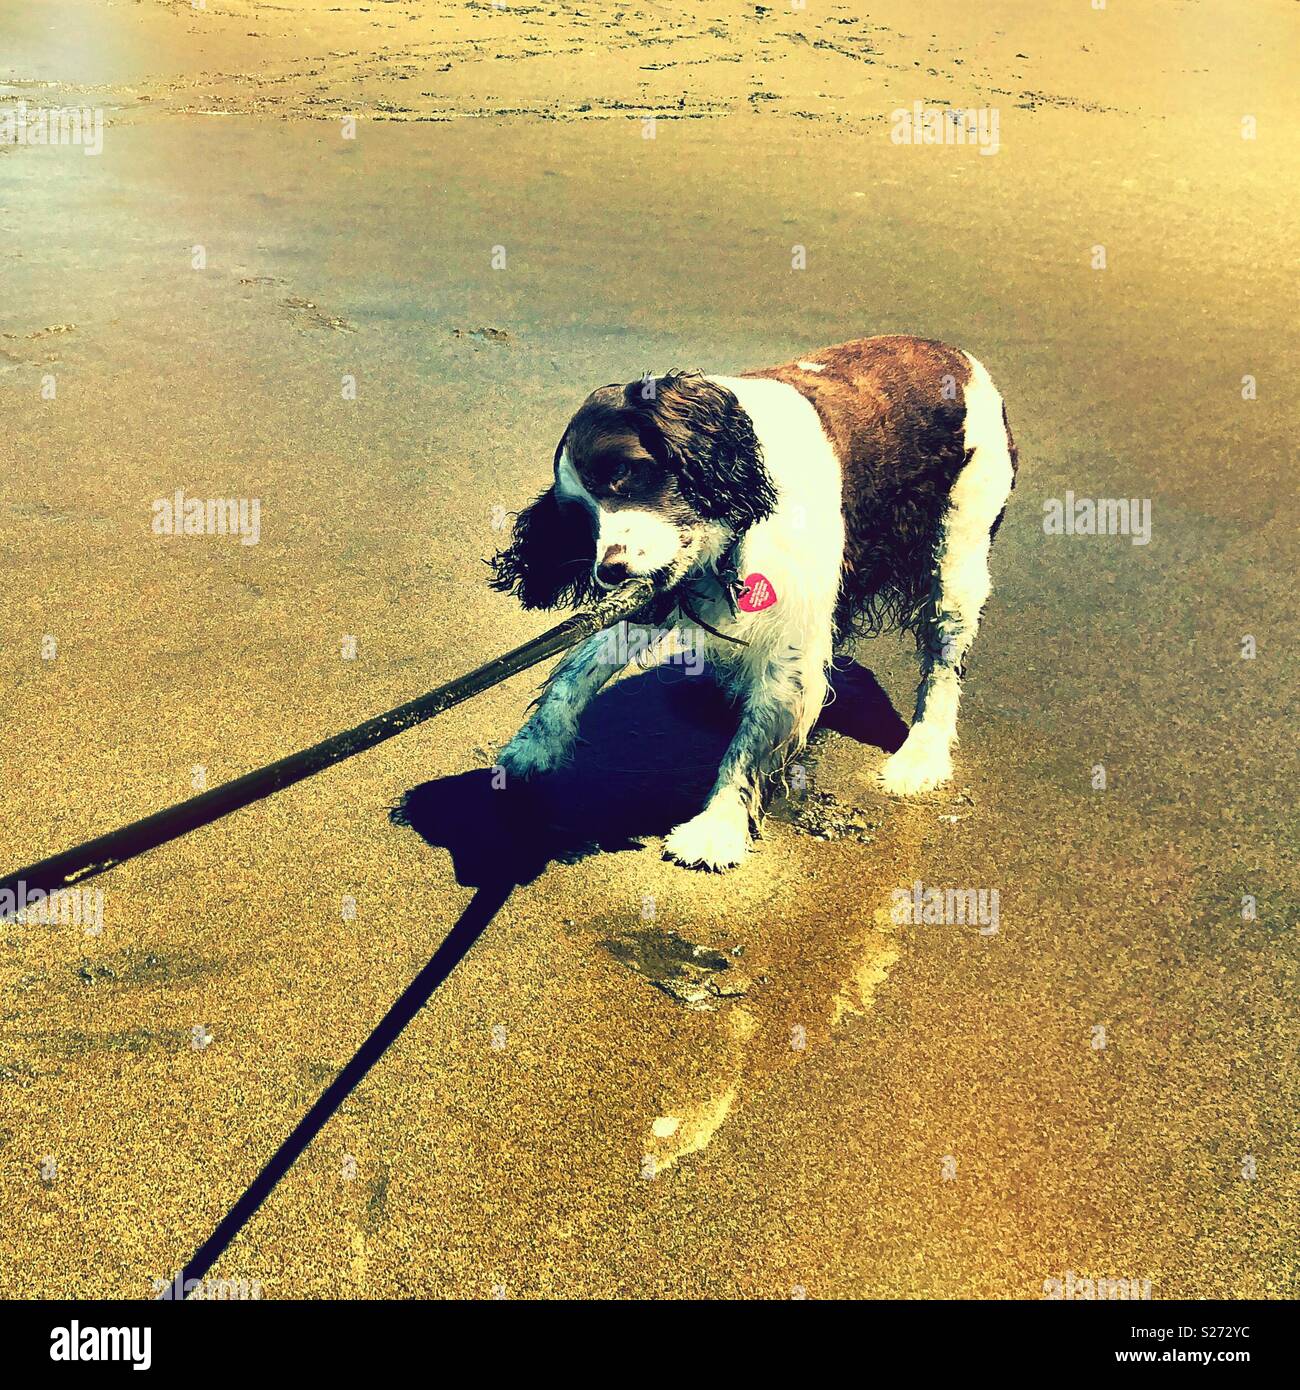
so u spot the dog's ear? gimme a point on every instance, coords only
(697, 428)
(550, 556)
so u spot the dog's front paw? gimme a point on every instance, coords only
(717, 839)
(921, 764)
(534, 751)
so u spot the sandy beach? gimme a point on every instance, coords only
(361, 262)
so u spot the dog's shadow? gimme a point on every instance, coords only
(650, 750)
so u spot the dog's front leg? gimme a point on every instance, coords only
(546, 741)
(772, 725)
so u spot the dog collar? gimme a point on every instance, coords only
(727, 572)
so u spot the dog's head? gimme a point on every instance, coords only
(653, 478)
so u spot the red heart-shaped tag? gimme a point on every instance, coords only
(757, 594)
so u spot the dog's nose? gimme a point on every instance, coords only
(613, 569)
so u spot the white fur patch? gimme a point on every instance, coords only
(718, 838)
(921, 764)
(811, 366)
(649, 541)
(781, 673)
(799, 550)
(979, 493)
(571, 487)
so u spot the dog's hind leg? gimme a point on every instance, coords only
(961, 588)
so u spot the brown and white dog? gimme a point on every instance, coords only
(860, 486)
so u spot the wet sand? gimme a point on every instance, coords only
(520, 1135)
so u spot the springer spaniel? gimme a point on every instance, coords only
(780, 513)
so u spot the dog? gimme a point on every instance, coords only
(779, 513)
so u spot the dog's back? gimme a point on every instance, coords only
(896, 411)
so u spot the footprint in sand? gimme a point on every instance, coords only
(307, 314)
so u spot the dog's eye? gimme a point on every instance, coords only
(619, 476)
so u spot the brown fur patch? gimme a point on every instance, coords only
(893, 407)
(607, 452)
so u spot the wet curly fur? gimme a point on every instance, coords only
(696, 429)
(894, 408)
(893, 527)
(711, 471)
(549, 560)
